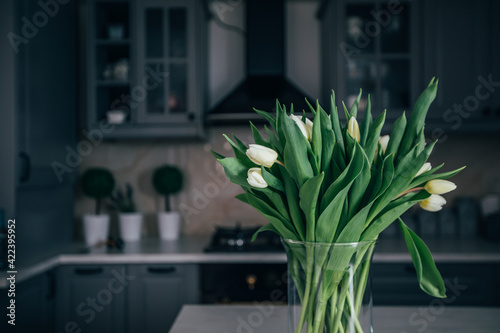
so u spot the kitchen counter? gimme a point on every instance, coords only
(269, 318)
(190, 250)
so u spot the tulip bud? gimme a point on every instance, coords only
(426, 167)
(305, 128)
(353, 129)
(439, 186)
(261, 155)
(255, 178)
(384, 141)
(433, 203)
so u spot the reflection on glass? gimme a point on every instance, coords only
(358, 18)
(395, 36)
(155, 101)
(154, 33)
(177, 98)
(395, 83)
(177, 32)
(361, 74)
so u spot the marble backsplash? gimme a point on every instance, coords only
(208, 199)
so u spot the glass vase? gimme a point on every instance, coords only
(329, 287)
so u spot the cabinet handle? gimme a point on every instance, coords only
(88, 271)
(26, 167)
(161, 270)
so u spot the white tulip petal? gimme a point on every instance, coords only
(426, 167)
(255, 178)
(261, 155)
(439, 186)
(384, 141)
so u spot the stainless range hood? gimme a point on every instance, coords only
(265, 66)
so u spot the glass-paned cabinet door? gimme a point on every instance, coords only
(377, 54)
(166, 61)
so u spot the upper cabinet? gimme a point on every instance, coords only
(391, 49)
(146, 74)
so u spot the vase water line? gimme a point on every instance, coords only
(329, 287)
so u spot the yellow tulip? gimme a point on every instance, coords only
(439, 186)
(353, 129)
(261, 155)
(255, 178)
(434, 203)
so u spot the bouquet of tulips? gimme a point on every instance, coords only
(323, 182)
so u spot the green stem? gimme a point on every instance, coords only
(362, 280)
(307, 292)
(340, 303)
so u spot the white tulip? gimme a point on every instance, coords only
(305, 128)
(439, 186)
(261, 155)
(384, 141)
(353, 129)
(255, 178)
(426, 167)
(434, 203)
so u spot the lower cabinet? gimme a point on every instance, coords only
(122, 298)
(158, 294)
(91, 298)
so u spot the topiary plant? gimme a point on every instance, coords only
(167, 180)
(97, 183)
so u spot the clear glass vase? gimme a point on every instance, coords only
(329, 287)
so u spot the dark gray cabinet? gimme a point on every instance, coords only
(147, 60)
(37, 131)
(123, 298)
(91, 298)
(158, 294)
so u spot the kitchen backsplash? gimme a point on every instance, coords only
(208, 197)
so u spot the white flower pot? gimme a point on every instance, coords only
(130, 226)
(169, 225)
(95, 228)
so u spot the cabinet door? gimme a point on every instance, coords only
(91, 298)
(459, 47)
(158, 294)
(166, 68)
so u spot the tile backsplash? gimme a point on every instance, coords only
(208, 197)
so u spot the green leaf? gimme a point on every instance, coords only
(425, 177)
(428, 275)
(367, 121)
(217, 155)
(267, 227)
(354, 107)
(240, 144)
(397, 132)
(274, 141)
(308, 195)
(347, 114)
(257, 137)
(295, 153)
(292, 196)
(374, 135)
(347, 176)
(417, 118)
(316, 138)
(235, 170)
(391, 213)
(239, 153)
(334, 117)
(328, 139)
(243, 198)
(270, 119)
(352, 231)
(272, 180)
(359, 186)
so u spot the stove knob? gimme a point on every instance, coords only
(251, 280)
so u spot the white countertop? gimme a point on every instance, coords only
(270, 318)
(189, 250)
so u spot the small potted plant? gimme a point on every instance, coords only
(168, 180)
(129, 219)
(96, 183)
